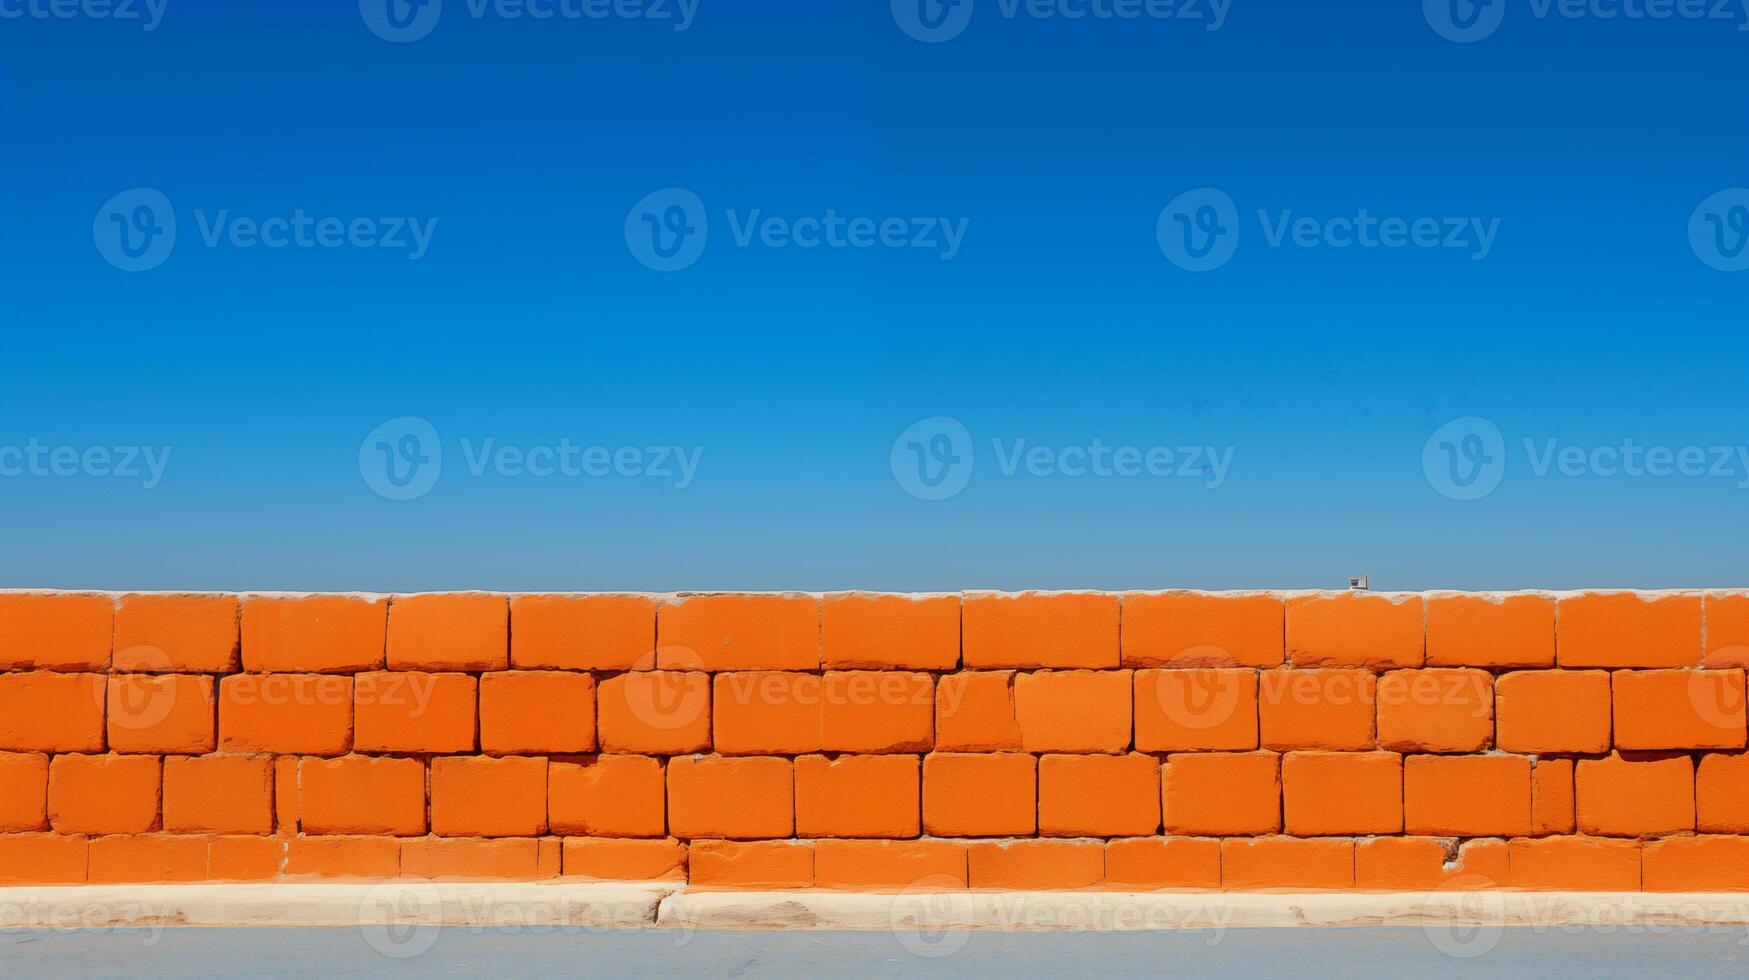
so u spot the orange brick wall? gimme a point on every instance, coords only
(1032, 740)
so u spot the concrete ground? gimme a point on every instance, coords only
(1393, 952)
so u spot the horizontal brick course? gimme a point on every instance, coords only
(853, 740)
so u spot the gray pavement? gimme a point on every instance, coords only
(495, 951)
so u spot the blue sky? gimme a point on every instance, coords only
(462, 220)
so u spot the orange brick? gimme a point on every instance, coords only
(1695, 864)
(1342, 793)
(1098, 795)
(1039, 629)
(1428, 864)
(582, 632)
(759, 864)
(1222, 793)
(1678, 709)
(1074, 710)
(475, 796)
(1490, 631)
(1551, 797)
(1727, 629)
(449, 631)
(857, 796)
(537, 711)
(1552, 711)
(1467, 795)
(287, 800)
(24, 790)
(766, 713)
(1628, 629)
(360, 795)
(1352, 629)
(1721, 793)
(414, 711)
(221, 794)
(343, 857)
(1436, 710)
(1163, 862)
(612, 796)
(739, 632)
(320, 634)
(1182, 710)
(1287, 862)
(979, 795)
(890, 864)
(888, 632)
(245, 858)
(188, 633)
(1316, 709)
(48, 712)
(506, 858)
(1574, 864)
(713, 796)
(877, 711)
(624, 860)
(660, 712)
(104, 794)
(1635, 797)
(149, 858)
(309, 714)
(1035, 864)
(64, 631)
(1193, 629)
(162, 713)
(974, 712)
(42, 859)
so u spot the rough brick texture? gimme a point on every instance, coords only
(1138, 740)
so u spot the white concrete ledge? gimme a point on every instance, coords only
(403, 904)
(922, 913)
(396, 903)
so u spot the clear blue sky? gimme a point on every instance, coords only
(532, 316)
